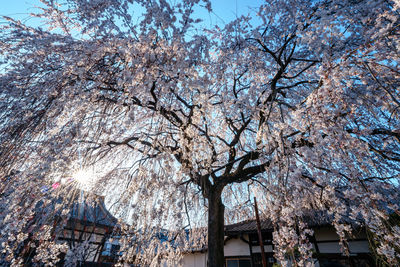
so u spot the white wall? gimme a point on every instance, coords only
(194, 260)
(358, 247)
(267, 248)
(329, 247)
(329, 234)
(236, 247)
(233, 247)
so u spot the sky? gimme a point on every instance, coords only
(19, 8)
(223, 10)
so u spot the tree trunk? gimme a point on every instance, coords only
(215, 229)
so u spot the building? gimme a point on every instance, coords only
(87, 231)
(242, 247)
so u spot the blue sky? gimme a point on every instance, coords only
(224, 10)
(17, 7)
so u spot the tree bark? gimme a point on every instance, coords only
(215, 229)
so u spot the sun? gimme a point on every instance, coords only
(85, 178)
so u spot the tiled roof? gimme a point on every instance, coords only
(92, 213)
(312, 219)
(248, 226)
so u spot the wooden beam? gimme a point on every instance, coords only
(260, 239)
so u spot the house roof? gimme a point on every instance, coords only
(312, 219)
(248, 226)
(92, 212)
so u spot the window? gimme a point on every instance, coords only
(111, 250)
(266, 236)
(338, 260)
(238, 262)
(258, 260)
(115, 250)
(334, 263)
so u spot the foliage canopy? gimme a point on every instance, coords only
(297, 104)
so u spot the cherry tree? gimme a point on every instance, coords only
(296, 103)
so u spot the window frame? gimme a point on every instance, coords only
(237, 258)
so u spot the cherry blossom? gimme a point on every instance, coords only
(296, 103)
